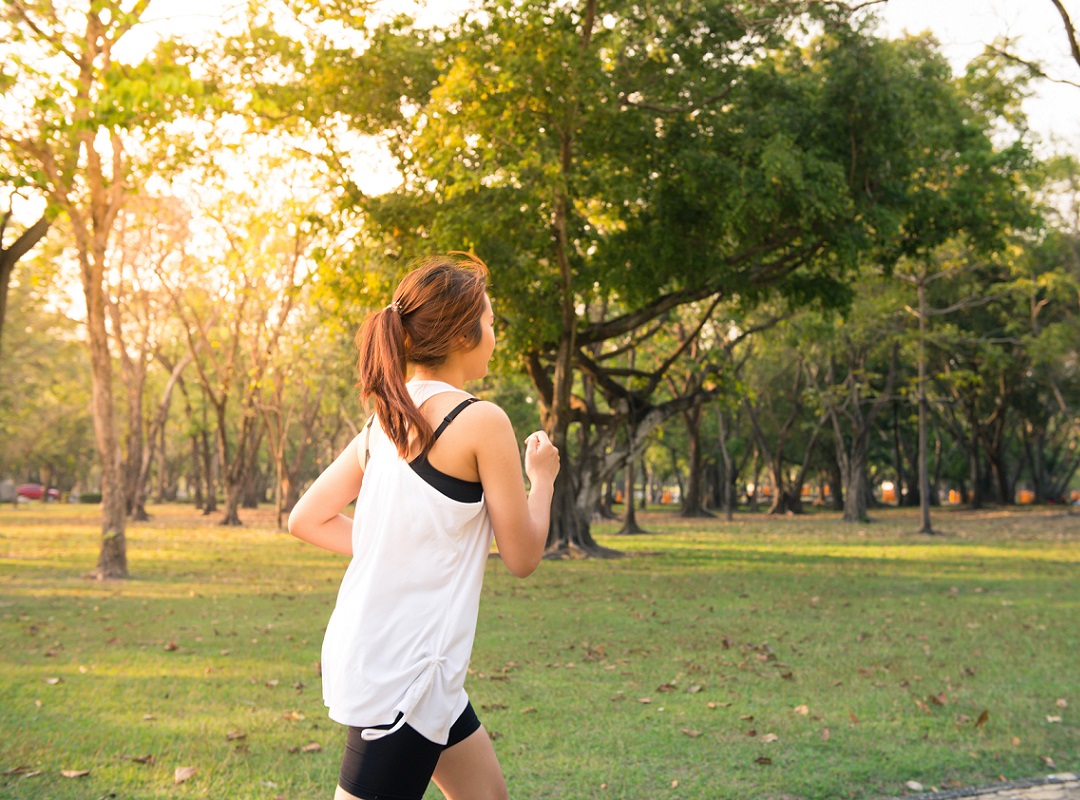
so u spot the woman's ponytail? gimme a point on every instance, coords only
(382, 363)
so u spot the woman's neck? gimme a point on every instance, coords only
(441, 373)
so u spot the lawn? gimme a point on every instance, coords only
(762, 658)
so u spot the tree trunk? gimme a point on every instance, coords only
(209, 474)
(924, 474)
(730, 474)
(693, 495)
(1000, 472)
(607, 499)
(714, 485)
(851, 454)
(852, 463)
(11, 255)
(569, 531)
(630, 526)
(976, 499)
(898, 455)
(939, 461)
(196, 473)
(836, 486)
(161, 473)
(752, 497)
(134, 497)
(234, 493)
(112, 560)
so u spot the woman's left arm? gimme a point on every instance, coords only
(317, 516)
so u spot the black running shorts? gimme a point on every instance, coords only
(398, 766)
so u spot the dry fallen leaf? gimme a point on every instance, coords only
(22, 769)
(645, 700)
(763, 760)
(770, 737)
(825, 734)
(914, 786)
(691, 733)
(147, 759)
(803, 710)
(171, 645)
(529, 710)
(1049, 762)
(184, 773)
(1053, 718)
(675, 784)
(1062, 703)
(234, 735)
(311, 747)
(74, 773)
(53, 681)
(983, 718)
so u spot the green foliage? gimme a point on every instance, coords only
(46, 431)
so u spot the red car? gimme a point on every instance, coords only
(35, 491)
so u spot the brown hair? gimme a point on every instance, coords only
(436, 306)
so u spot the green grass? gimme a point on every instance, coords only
(638, 677)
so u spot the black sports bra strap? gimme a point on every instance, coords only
(452, 415)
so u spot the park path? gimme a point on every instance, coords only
(1063, 786)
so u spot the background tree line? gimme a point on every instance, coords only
(733, 245)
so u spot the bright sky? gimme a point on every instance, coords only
(963, 27)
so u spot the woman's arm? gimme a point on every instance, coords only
(317, 516)
(520, 521)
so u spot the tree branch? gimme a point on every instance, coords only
(1070, 31)
(1031, 66)
(24, 243)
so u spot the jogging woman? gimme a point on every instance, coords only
(435, 474)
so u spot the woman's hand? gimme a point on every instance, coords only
(541, 459)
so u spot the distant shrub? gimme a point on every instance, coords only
(90, 497)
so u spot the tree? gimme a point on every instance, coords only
(80, 111)
(778, 416)
(46, 431)
(234, 313)
(300, 398)
(675, 158)
(148, 238)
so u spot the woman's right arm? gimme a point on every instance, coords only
(520, 521)
(317, 517)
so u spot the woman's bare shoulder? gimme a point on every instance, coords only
(484, 418)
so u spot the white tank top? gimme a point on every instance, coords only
(401, 635)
